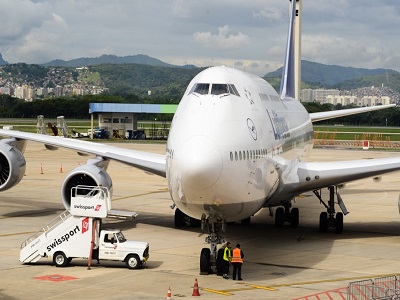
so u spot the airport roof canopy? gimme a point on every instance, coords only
(132, 108)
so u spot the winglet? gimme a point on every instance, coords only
(288, 76)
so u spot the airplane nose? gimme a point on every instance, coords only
(200, 162)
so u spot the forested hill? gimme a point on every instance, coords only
(112, 59)
(138, 79)
(332, 75)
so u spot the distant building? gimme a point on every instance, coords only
(41, 91)
(6, 91)
(318, 95)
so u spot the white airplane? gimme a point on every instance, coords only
(235, 146)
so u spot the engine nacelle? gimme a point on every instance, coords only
(12, 164)
(90, 174)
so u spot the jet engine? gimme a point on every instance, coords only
(93, 173)
(12, 163)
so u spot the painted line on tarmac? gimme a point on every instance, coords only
(18, 233)
(217, 292)
(334, 280)
(248, 287)
(143, 194)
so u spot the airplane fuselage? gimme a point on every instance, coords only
(230, 144)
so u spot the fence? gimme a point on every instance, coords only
(382, 288)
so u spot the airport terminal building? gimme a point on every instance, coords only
(121, 119)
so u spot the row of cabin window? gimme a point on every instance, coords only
(249, 154)
(214, 89)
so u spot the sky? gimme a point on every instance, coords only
(249, 35)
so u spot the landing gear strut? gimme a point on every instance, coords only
(328, 219)
(208, 256)
(286, 214)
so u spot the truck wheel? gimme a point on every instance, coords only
(133, 261)
(59, 259)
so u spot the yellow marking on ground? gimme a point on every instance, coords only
(334, 280)
(260, 287)
(143, 194)
(217, 292)
(274, 287)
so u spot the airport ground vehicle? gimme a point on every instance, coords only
(77, 233)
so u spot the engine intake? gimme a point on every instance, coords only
(91, 174)
(12, 165)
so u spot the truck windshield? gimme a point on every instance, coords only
(120, 237)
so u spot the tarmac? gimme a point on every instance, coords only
(280, 263)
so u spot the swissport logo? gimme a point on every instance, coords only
(85, 225)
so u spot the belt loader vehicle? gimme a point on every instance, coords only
(77, 233)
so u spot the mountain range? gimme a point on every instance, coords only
(313, 73)
(331, 75)
(112, 59)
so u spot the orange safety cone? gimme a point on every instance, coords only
(61, 168)
(196, 288)
(169, 294)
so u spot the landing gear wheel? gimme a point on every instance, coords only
(205, 261)
(323, 222)
(133, 261)
(294, 217)
(339, 223)
(179, 218)
(60, 259)
(220, 262)
(279, 217)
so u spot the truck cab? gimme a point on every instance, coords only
(112, 245)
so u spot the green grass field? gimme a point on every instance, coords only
(359, 133)
(320, 132)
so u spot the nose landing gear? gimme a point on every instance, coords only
(209, 256)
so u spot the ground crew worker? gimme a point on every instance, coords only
(237, 261)
(227, 259)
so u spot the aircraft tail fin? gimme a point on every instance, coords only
(288, 72)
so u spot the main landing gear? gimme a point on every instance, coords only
(286, 214)
(328, 219)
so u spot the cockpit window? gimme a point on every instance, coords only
(202, 88)
(233, 90)
(216, 89)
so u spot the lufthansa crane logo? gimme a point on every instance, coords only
(252, 129)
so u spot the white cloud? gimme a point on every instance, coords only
(223, 40)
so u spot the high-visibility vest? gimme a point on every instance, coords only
(236, 256)
(227, 254)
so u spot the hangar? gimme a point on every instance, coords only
(120, 119)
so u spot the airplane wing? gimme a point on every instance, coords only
(150, 162)
(316, 175)
(320, 116)
(309, 176)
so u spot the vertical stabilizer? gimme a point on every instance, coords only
(288, 72)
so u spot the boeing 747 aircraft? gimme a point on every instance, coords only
(235, 146)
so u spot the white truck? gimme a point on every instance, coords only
(77, 234)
